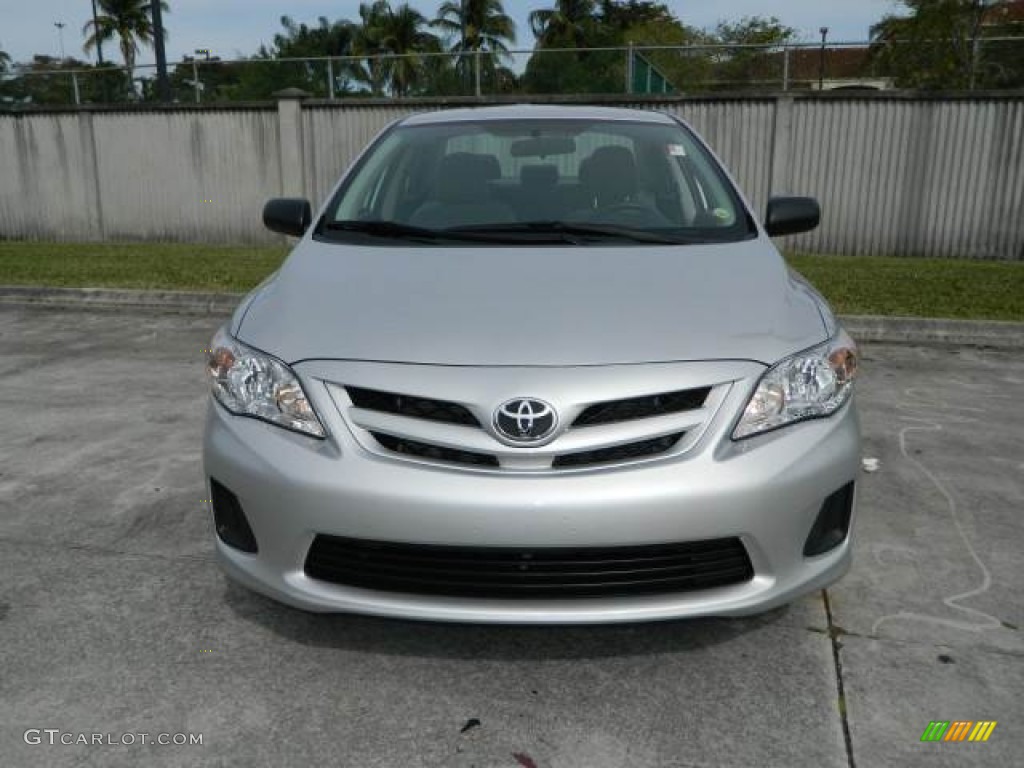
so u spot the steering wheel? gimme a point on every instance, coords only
(629, 208)
(631, 213)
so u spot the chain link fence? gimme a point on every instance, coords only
(634, 69)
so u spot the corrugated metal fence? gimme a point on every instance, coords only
(895, 174)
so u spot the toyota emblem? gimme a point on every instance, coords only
(525, 420)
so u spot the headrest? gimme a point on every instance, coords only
(463, 177)
(610, 174)
(490, 165)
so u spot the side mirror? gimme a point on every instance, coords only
(789, 215)
(288, 215)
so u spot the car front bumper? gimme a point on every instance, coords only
(767, 491)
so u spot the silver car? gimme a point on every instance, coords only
(534, 364)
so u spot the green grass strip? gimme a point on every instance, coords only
(948, 288)
(141, 266)
(856, 285)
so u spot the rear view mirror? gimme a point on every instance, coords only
(543, 146)
(288, 215)
(790, 215)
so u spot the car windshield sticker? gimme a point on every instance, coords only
(676, 150)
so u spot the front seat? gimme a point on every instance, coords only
(609, 176)
(612, 183)
(461, 195)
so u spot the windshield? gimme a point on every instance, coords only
(574, 182)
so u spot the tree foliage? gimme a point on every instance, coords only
(941, 44)
(401, 32)
(475, 25)
(393, 50)
(566, 25)
(325, 39)
(622, 15)
(610, 23)
(127, 20)
(47, 80)
(600, 24)
(741, 67)
(380, 55)
(472, 26)
(689, 67)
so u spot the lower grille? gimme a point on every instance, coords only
(525, 572)
(434, 452)
(626, 452)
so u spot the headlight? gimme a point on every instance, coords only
(250, 383)
(808, 385)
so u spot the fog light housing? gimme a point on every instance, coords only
(832, 524)
(229, 519)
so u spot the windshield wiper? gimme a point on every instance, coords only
(395, 229)
(571, 229)
(379, 228)
(504, 232)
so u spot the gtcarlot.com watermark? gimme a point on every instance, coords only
(55, 737)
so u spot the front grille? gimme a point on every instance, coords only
(411, 406)
(642, 407)
(529, 572)
(638, 450)
(435, 430)
(435, 452)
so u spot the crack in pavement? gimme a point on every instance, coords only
(834, 633)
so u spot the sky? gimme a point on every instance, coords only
(233, 28)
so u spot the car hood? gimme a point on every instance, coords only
(532, 306)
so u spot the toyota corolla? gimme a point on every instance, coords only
(534, 364)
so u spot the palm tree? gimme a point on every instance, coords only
(367, 43)
(564, 25)
(392, 32)
(325, 39)
(473, 26)
(400, 32)
(476, 25)
(127, 20)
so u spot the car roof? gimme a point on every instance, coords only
(536, 112)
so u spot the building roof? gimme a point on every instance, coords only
(1007, 12)
(840, 63)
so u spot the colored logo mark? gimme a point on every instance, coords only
(958, 730)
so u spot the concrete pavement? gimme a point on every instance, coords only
(115, 620)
